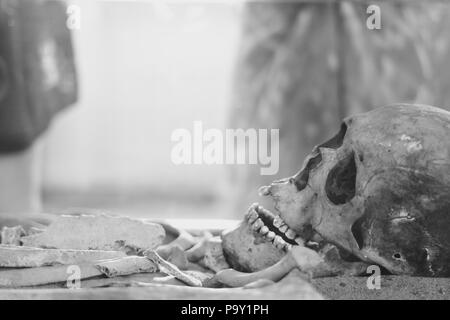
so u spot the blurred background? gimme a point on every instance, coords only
(145, 68)
(126, 74)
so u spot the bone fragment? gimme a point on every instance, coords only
(264, 191)
(127, 280)
(209, 254)
(171, 269)
(11, 236)
(126, 266)
(88, 232)
(298, 257)
(178, 257)
(28, 277)
(167, 280)
(23, 257)
(184, 241)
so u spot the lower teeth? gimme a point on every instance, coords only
(264, 230)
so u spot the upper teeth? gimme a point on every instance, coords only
(257, 224)
(252, 215)
(277, 222)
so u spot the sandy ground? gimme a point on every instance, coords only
(392, 288)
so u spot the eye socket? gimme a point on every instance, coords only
(337, 140)
(340, 185)
(301, 178)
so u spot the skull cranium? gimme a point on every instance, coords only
(379, 190)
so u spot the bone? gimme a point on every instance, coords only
(291, 287)
(171, 269)
(11, 236)
(171, 280)
(184, 241)
(166, 280)
(209, 254)
(270, 235)
(178, 257)
(26, 257)
(264, 230)
(264, 191)
(298, 257)
(28, 277)
(252, 216)
(127, 280)
(300, 241)
(278, 242)
(88, 232)
(278, 222)
(126, 266)
(257, 224)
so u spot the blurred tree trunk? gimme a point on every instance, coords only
(302, 67)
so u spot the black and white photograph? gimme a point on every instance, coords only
(193, 150)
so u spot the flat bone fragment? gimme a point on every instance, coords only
(28, 277)
(171, 269)
(126, 266)
(26, 257)
(101, 232)
(12, 235)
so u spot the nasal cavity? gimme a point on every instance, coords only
(341, 181)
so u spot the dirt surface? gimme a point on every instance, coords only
(392, 288)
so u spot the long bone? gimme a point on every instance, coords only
(298, 257)
(171, 269)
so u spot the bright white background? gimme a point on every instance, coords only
(145, 69)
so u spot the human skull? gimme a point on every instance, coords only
(379, 190)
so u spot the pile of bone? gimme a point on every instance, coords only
(100, 250)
